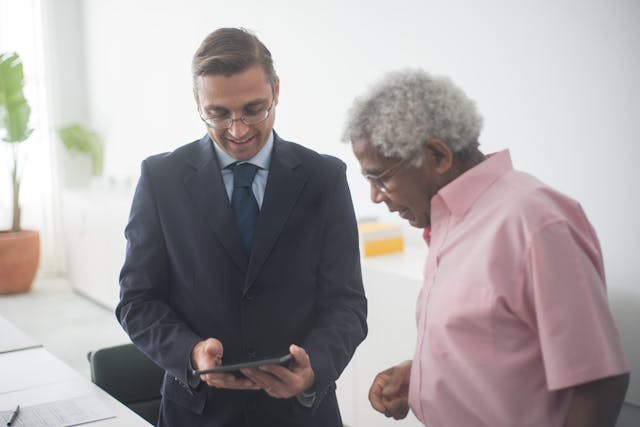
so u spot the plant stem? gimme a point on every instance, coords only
(16, 191)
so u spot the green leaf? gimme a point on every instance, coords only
(14, 109)
(77, 139)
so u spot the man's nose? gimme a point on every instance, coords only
(377, 196)
(238, 129)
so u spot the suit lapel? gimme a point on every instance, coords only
(206, 188)
(284, 185)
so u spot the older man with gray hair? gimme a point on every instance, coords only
(514, 327)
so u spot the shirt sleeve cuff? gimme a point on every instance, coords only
(193, 380)
(306, 398)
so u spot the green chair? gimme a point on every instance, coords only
(130, 376)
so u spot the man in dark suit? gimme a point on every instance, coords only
(242, 246)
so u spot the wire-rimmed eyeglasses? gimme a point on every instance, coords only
(379, 180)
(249, 118)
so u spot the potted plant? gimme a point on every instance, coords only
(19, 249)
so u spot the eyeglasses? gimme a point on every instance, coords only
(249, 118)
(379, 180)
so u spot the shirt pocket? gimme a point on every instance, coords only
(459, 323)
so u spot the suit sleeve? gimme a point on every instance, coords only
(143, 310)
(341, 304)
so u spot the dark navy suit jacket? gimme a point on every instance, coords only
(187, 278)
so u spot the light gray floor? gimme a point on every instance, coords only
(67, 324)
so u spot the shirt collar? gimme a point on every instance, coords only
(463, 191)
(261, 159)
(426, 234)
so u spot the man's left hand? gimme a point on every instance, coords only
(283, 383)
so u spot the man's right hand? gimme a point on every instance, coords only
(389, 393)
(208, 354)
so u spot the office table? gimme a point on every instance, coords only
(13, 339)
(34, 376)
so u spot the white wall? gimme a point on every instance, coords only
(557, 83)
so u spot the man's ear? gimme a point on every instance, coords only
(439, 156)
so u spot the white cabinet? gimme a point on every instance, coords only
(392, 284)
(93, 222)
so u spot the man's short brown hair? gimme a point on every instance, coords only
(228, 51)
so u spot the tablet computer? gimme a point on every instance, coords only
(236, 367)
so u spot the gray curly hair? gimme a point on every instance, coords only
(406, 108)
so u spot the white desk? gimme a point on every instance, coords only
(34, 376)
(13, 339)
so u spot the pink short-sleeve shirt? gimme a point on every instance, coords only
(513, 310)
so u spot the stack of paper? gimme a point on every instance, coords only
(377, 238)
(62, 413)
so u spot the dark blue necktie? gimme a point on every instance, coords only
(244, 202)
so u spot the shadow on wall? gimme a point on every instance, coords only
(629, 416)
(625, 305)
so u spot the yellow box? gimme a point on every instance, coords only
(378, 238)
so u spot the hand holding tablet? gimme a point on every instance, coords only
(237, 367)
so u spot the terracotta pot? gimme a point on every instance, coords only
(19, 257)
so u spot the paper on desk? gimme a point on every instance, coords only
(62, 413)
